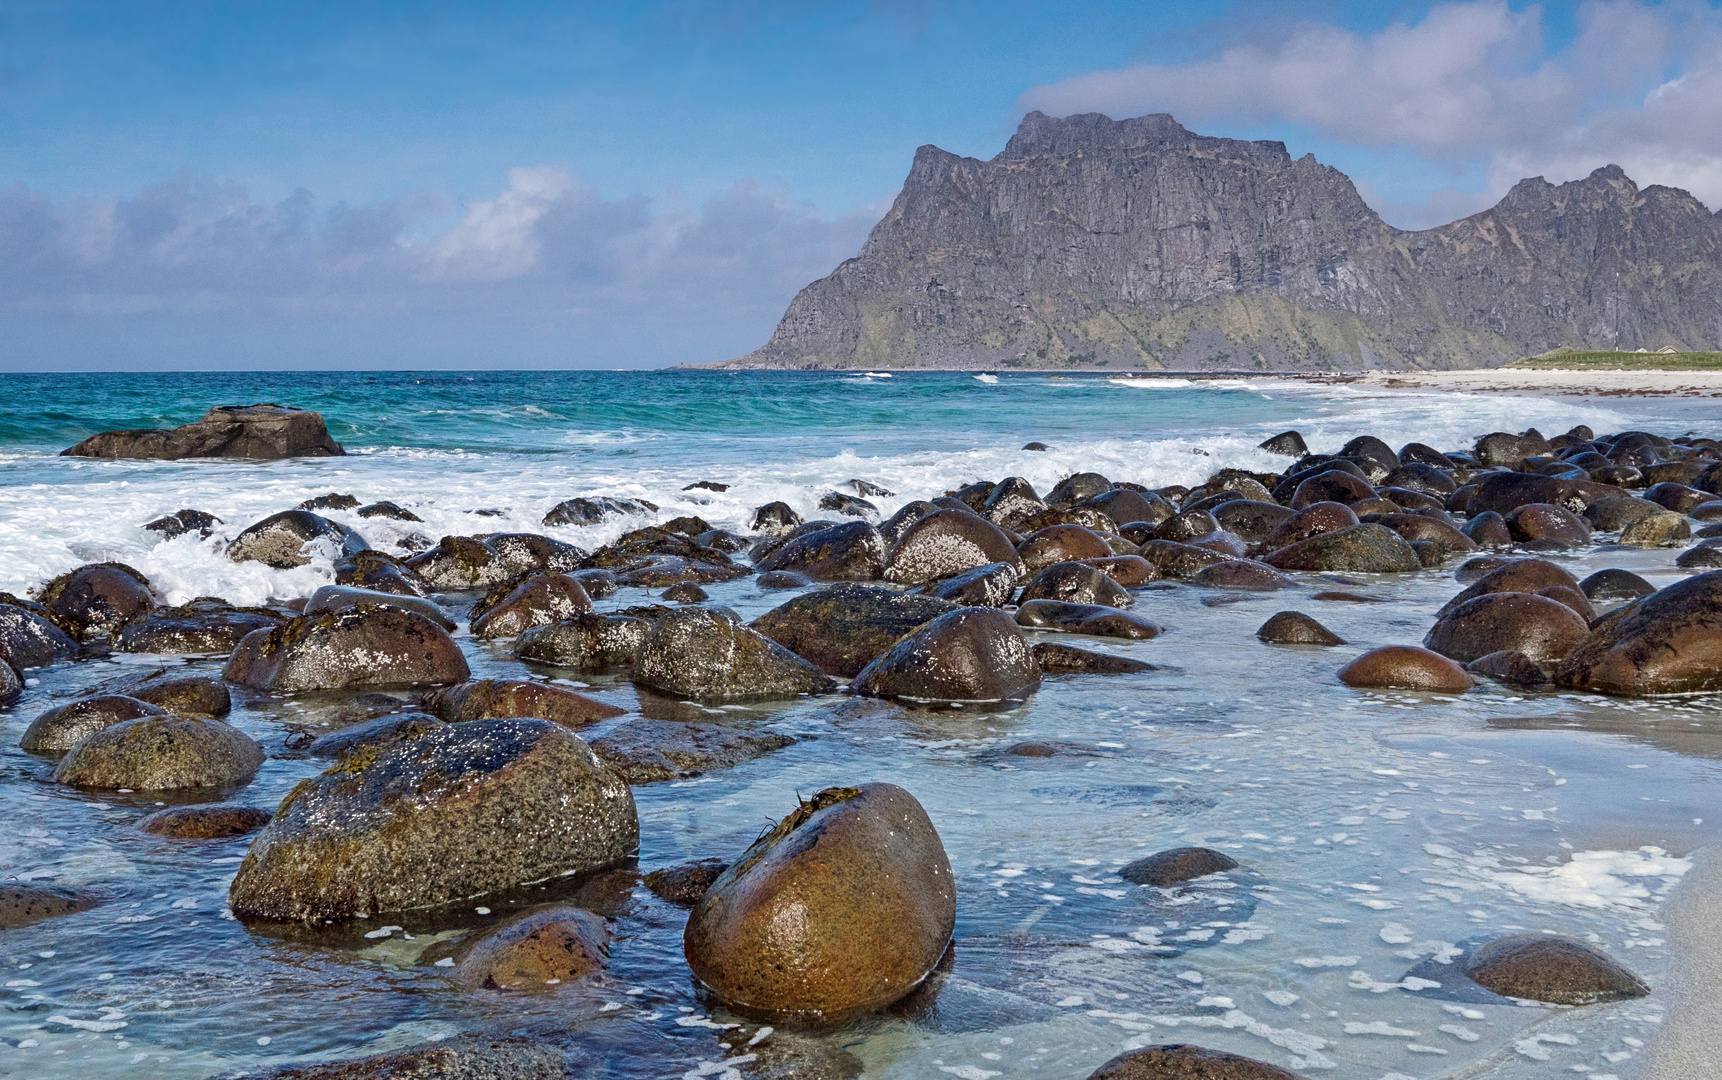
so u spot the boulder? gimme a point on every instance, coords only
(894, 526)
(1676, 497)
(11, 683)
(1130, 571)
(21, 905)
(1666, 529)
(1175, 560)
(1375, 457)
(1406, 667)
(1618, 512)
(595, 510)
(205, 625)
(1010, 502)
(1311, 521)
(332, 501)
(588, 642)
(1178, 1061)
(205, 822)
(1331, 486)
(488, 699)
(463, 1057)
(188, 695)
(1571, 598)
(1095, 620)
(1244, 575)
(1076, 583)
(341, 597)
(388, 511)
(162, 753)
(1253, 521)
(686, 884)
(972, 654)
(458, 812)
(61, 728)
(1541, 628)
(279, 540)
(848, 505)
(1669, 642)
(1296, 628)
(1425, 476)
(1123, 506)
(1502, 492)
(92, 602)
(1370, 549)
(984, 586)
(1167, 868)
(840, 910)
(1287, 443)
(343, 650)
(535, 951)
(1076, 488)
(378, 571)
(1614, 584)
(257, 432)
(1061, 543)
(1414, 527)
(1519, 575)
(1488, 530)
(27, 640)
(852, 552)
(645, 751)
(539, 600)
(1548, 523)
(1553, 969)
(948, 543)
(783, 579)
(1056, 659)
(1221, 541)
(1510, 667)
(1705, 556)
(774, 518)
(533, 551)
(1186, 525)
(843, 627)
(697, 653)
(373, 733)
(460, 562)
(1510, 451)
(181, 522)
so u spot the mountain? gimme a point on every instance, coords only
(1137, 245)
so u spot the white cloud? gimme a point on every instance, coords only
(499, 237)
(1467, 85)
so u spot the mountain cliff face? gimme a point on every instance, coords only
(1137, 245)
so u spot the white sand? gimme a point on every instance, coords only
(1690, 1043)
(1564, 383)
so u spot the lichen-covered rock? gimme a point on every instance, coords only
(1095, 620)
(61, 728)
(1123, 506)
(378, 732)
(984, 586)
(1296, 628)
(536, 951)
(460, 811)
(203, 626)
(27, 640)
(1060, 543)
(279, 540)
(342, 597)
(205, 822)
(945, 544)
(463, 1057)
(1312, 520)
(188, 695)
(775, 518)
(1253, 521)
(1657, 530)
(645, 751)
(11, 683)
(92, 602)
(1406, 667)
(1542, 628)
(1175, 560)
(1167, 868)
(379, 571)
(970, 654)
(842, 627)
(1331, 486)
(588, 642)
(1076, 583)
(539, 600)
(460, 562)
(488, 699)
(1550, 968)
(1669, 642)
(341, 650)
(697, 653)
(1178, 1061)
(162, 753)
(841, 909)
(1367, 549)
(852, 552)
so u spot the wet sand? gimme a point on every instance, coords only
(1691, 1042)
(1564, 383)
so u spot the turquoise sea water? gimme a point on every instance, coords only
(1382, 828)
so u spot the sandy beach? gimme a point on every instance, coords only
(1565, 383)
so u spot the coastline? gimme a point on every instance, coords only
(1690, 1042)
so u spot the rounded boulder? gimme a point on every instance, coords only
(162, 753)
(1406, 667)
(1539, 627)
(972, 654)
(696, 653)
(341, 650)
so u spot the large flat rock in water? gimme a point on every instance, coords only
(256, 432)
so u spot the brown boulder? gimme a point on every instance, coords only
(188, 695)
(59, 729)
(1557, 970)
(1056, 659)
(1129, 571)
(1406, 667)
(341, 597)
(1549, 524)
(947, 543)
(696, 653)
(161, 753)
(685, 884)
(588, 642)
(1296, 628)
(1175, 560)
(341, 650)
(843, 627)
(1322, 517)
(1512, 668)
(852, 552)
(94, 601)
(1370, 549)
(1417, 527)
(841, 909)
(1669, 642)
(1488, 530)
(1519, 575)
(536, 951)
(205, 625)
(491, 698)
(1095, 620)
(645, 751)
(537, 601)
(21, 905)
(1242, 574)
(984, 586)
(970, 654)
(1076, 583)
(1177, 1061)
(1167, 868)
(255, 432)
(1331, 486)
(460, 562)
(205, 822)
(1061, 543)
(1543, 629)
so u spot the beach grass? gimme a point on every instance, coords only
(1576, 360)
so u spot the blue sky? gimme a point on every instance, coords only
(455, 184)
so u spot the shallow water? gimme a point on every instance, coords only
(1376, 830)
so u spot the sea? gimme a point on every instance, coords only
(1376, 832)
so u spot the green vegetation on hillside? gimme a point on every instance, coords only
(1576, 360)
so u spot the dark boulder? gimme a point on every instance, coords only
(458, 812)
(1175, 560)
(645, 751)
(1186, 524)
(1476, 569)
(984, 586)
(1543, 629)
(1666, 529)
(1510, 667)
(945, 544)
(1331, 486)
(1510, 451)
(181, 522)
(1010, 502)
(685, 592)
(341, 650)
(783, 579)
(205, 822)
(588, 642)
(1094, 620)
(1296, 628)
(334, 500)
(774, 518)
(1370, 549)
(257, 432)
(1167, 868)
(597, 509)
(65, 726)
(1130, 571)
(341, 597)
(840, 910)
(205, 625)
(848, 505)
(686, 884)
(1287, 443)
(161, 753)
(1488, 530)
(489, 699)
(1253, 521)
(1676, 497)
(379, 571)
(1503, 492)
(28, 640)
(11, 683)
(387, 510)
(1245, 575)
(1061, 543)
(1553, 969)
(1373, 456)
(852, 552)
(897, 524)
(1057, 659)
(1123, 506)
(94, 601)
(1076, 583)
(460, 562)
(538, 600)
(697, 653)
(1705, 556)
(21, 905)
(1178, 1061)
(1669, 642)
(971, 654)
(1619, 511)
(534, 551)
(1077, 487)
(1311, 521)
(1519, 575)
(842, 628)
(463, 1057)
(188, 695)
(1414, 527)
(1548, 523)
(1426, 477)
(1406, 667)
(1613, 584)
(373, 733)
(279, 540)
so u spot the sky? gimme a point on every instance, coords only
(196, 185)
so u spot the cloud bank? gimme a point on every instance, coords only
(550, 268)
(1470, 87)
